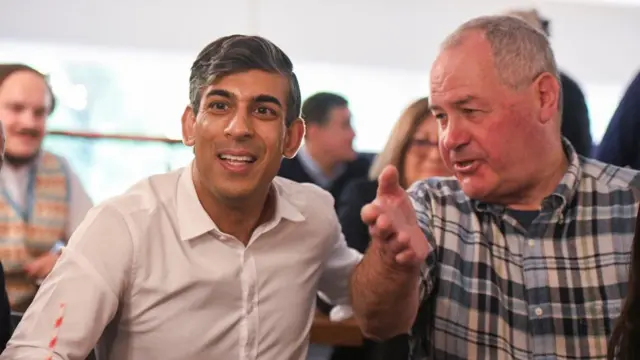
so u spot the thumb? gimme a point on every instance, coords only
(389, 181)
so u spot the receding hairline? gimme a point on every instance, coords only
(520, 52)
(16, 76)
(487, 24)
(460, 35)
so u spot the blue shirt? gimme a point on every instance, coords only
(315, 172)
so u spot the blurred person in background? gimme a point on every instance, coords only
(327, 158)
(620, 145)
(576, 126)
(412, 148)
(41, 200)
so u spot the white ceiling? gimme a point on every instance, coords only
(599, 2)
(381, 34)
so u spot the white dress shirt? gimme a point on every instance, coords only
(16, 182)
(148, 275)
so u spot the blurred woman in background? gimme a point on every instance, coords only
(413, 149)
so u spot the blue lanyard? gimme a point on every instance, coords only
(30, 200)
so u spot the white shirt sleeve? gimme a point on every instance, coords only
(335, 280)
(90, 277)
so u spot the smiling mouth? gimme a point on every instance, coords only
(237, 159)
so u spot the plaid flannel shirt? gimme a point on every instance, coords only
(494, 290)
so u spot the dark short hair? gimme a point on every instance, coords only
(238, 53)
(316, 108)
(7, 70)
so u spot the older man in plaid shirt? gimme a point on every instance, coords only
(526, 255)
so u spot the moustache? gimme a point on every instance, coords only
(29, 132)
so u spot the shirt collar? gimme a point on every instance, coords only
(285, 209)
(314, 170)
(563, 193)
(193, 220)
(568, 186)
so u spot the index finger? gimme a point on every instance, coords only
(389, 181)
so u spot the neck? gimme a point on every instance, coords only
(326, 164)
(547, 179)
(238, 217)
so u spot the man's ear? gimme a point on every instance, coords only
(293, 138)
(188, 126)
(548, 91)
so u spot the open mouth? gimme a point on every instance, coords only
(237, 159)
(465, 166)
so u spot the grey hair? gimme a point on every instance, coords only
(520, 52)
(238, 53)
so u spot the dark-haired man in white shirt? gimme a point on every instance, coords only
(219, 260)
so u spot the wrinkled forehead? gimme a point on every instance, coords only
(463, 70)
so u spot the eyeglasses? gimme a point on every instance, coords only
(423, 143)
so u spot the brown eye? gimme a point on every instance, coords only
(441, 118)
(264, 111)
(218, 106)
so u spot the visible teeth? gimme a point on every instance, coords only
(236, 158)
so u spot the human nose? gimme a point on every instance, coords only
(455, 135)
(239, 126)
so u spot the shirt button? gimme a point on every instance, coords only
(532, 243)
(539, 311)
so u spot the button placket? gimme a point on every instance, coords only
(250, 303)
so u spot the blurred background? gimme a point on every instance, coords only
(121, 67)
